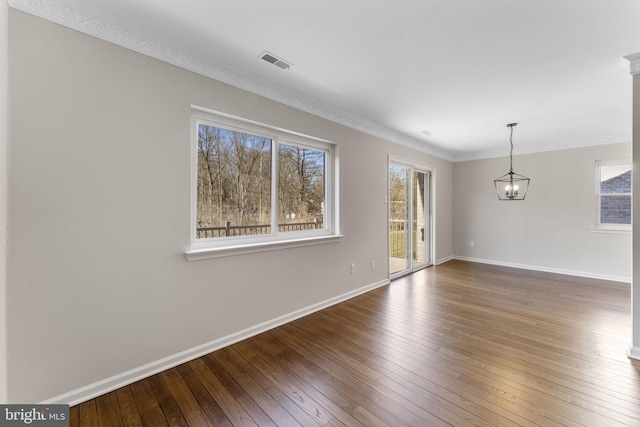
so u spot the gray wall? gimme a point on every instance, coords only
(551, 229)
(4, 32)
(99, 208)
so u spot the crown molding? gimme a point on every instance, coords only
(542, 148)
(54, 11)
(634, 60)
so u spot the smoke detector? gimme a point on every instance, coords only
(273, 59)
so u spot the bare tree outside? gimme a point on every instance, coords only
(300, 184)
(397, 192)
(235, 180)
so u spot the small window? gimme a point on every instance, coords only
(613, 181)
(256, 185)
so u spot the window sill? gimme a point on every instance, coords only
(604, 229)
(225, 251)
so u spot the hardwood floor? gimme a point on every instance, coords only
(460, 344)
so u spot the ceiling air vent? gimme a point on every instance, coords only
(278, 62)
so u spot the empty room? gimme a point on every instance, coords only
(351, 213)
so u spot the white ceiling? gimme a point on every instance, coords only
(459, 69)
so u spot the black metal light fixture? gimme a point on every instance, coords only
(511, 186)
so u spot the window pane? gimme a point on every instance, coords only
(615, 179)
(301, 188)
(615, 209)
(234, 183)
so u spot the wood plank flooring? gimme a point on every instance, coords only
(460, 344)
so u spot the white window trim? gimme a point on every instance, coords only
(611, 229)
(239, 245)
(604, 228)
(207, 253)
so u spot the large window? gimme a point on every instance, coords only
(613, 186)
(254, 185)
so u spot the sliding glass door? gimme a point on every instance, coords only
(409, 219)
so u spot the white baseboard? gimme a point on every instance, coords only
(443, 260)
(106, 385)
(633, 352)
(547, 269)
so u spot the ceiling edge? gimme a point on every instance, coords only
(54, 11)
(556, 146)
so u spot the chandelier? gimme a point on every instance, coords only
(511, 186)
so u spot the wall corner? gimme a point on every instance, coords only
(634, 347)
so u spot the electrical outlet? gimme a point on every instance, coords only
(472, 244)
(353, 269)
(373, 265)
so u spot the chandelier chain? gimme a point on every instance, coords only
(511, 152)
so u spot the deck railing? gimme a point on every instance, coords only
(398, 229)
(248, 230)
(397, 237)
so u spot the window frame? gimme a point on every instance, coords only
(599, 225)
(236, 245)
